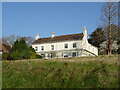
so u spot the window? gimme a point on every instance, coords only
(52, 47)
(74, 54)
(74, 45)
(66, 45)
(65, 55)
(36, 48)
(42, 48)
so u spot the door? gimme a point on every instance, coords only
(74, 54)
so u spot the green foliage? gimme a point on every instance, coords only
(16, 55)
(5, 56)
(21, 50)
(32, 55)
(39, 56)
(97, 37)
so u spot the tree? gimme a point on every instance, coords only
(103, 47)
(109, 18)
(97, 37)
(29, 40)
(10, 39)
(21, 50)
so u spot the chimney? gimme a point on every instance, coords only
(85, 35)
(85, 32)
(53, 34)
(37, 36)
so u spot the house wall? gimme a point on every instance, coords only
(59, 49)
(58, 46)
(83, 48)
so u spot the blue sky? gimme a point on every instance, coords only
(29, 19)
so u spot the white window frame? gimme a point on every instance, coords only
(52, 47)
(42, 48)
(75, 45)
(36, 48)
(65, 45)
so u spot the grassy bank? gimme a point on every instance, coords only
(82, 72)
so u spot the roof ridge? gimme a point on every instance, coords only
(61, 35)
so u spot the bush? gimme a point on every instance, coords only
(5, 56)
(15, 55)
(39, 56)
(32, 55)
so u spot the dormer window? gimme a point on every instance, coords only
(66, 45)
(74, 45)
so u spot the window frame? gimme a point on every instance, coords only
(36, 48)
(66, 45)
(42, 48)
(74, 45)
(52, 47)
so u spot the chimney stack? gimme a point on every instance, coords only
(85, 32)
(53, 34)
(37, 36)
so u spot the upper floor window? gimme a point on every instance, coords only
(36, 48)
(74, 45)
(66, 45)
(42, 48)
(52, 47)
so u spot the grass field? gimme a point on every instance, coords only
(81, 72)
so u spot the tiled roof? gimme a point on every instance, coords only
(78, 36)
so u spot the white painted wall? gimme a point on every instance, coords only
(58, 45)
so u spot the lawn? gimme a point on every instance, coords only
(81, 72)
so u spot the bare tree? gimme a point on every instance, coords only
(110, 20)
(10, 39)
(29, 40)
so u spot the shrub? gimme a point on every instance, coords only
(5, 56)
(39, 56)
(15, 55)
(32, 55)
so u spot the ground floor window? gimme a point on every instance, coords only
(65, 55)
(74, 54)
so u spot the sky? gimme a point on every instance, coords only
(43, 18)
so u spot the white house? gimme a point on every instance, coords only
(72, 45)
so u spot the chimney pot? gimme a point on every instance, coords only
(53, 34)
(37, 36)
